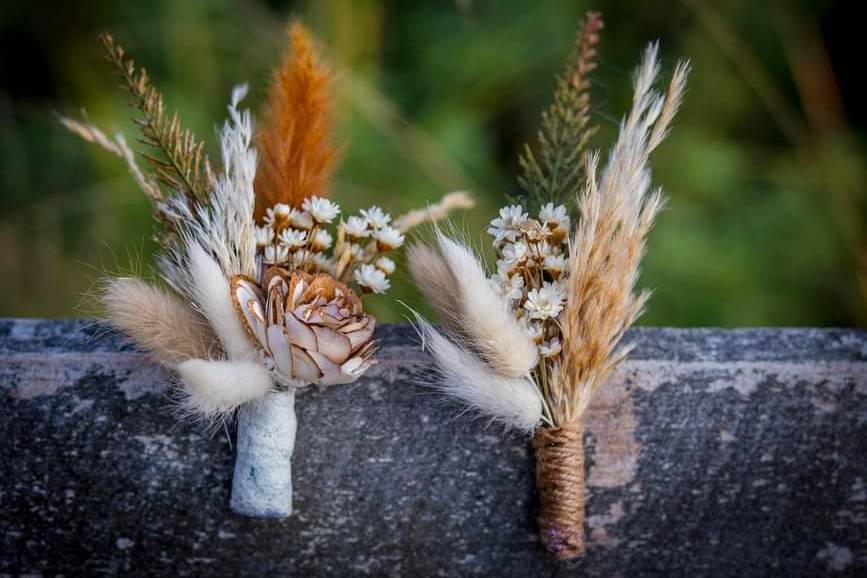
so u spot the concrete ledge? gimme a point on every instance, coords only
(711, 453)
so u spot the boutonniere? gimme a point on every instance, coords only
(530, 344)
(263, 276)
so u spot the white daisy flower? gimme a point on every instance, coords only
(293, 238)
(550, 348)
(376, 217)
(513, 287)
(534, 330)
(322, 210)
(301, 219)
(515, 254)
(323, 263)
(371, 279)
(264, 236)
(357, 251)
(356, 227)
(507, 226)
(385, 265)
(321, 240)
(546, 302)
(388, 238)
(557, 220)
(555, 265)
(276, 254)
(278, 215)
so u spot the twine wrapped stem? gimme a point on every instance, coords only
(560, 482)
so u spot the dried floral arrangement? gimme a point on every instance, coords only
(262, 274)
(529, 345)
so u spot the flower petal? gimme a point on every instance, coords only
(333, 345)
(300, 333)
(305, 366)
(279, 348)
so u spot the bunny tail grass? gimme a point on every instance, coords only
(213, 390)
(486, 317)
(513, 402)
(158, 321)
(214, 297)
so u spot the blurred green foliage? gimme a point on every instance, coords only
(765, 219)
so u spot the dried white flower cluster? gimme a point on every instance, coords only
(298, 239)
(532, 268)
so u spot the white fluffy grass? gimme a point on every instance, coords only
(158, 321)
(485, 317)
(213, 390)
(224, 227)
(214, 297)
(514, 402)
(434, 279)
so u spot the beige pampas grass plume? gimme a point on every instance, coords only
(617, 213)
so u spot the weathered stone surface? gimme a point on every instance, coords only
(711, 453)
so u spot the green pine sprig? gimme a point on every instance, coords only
(555, 171)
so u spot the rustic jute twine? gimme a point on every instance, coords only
(560, 481)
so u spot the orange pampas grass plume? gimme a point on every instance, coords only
(296, 157)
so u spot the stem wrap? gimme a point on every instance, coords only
(560, 482)
(262, 484)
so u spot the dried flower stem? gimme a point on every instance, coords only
(182, 164)
(450, 202)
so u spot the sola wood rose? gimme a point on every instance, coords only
(530, 345)
(262, 275)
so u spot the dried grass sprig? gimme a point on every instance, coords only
(180, 161)
(118, 147)
(214, 389)
(453, 201)
(297, 157)
(555, 171)
(617, 212)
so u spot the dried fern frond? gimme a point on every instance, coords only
(297, 157)
(617, 212)
(556, 174)
(179, 161)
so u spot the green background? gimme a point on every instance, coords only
(764, 169)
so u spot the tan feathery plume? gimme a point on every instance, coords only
(158, 321)
(297, 157)
(617, 212)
